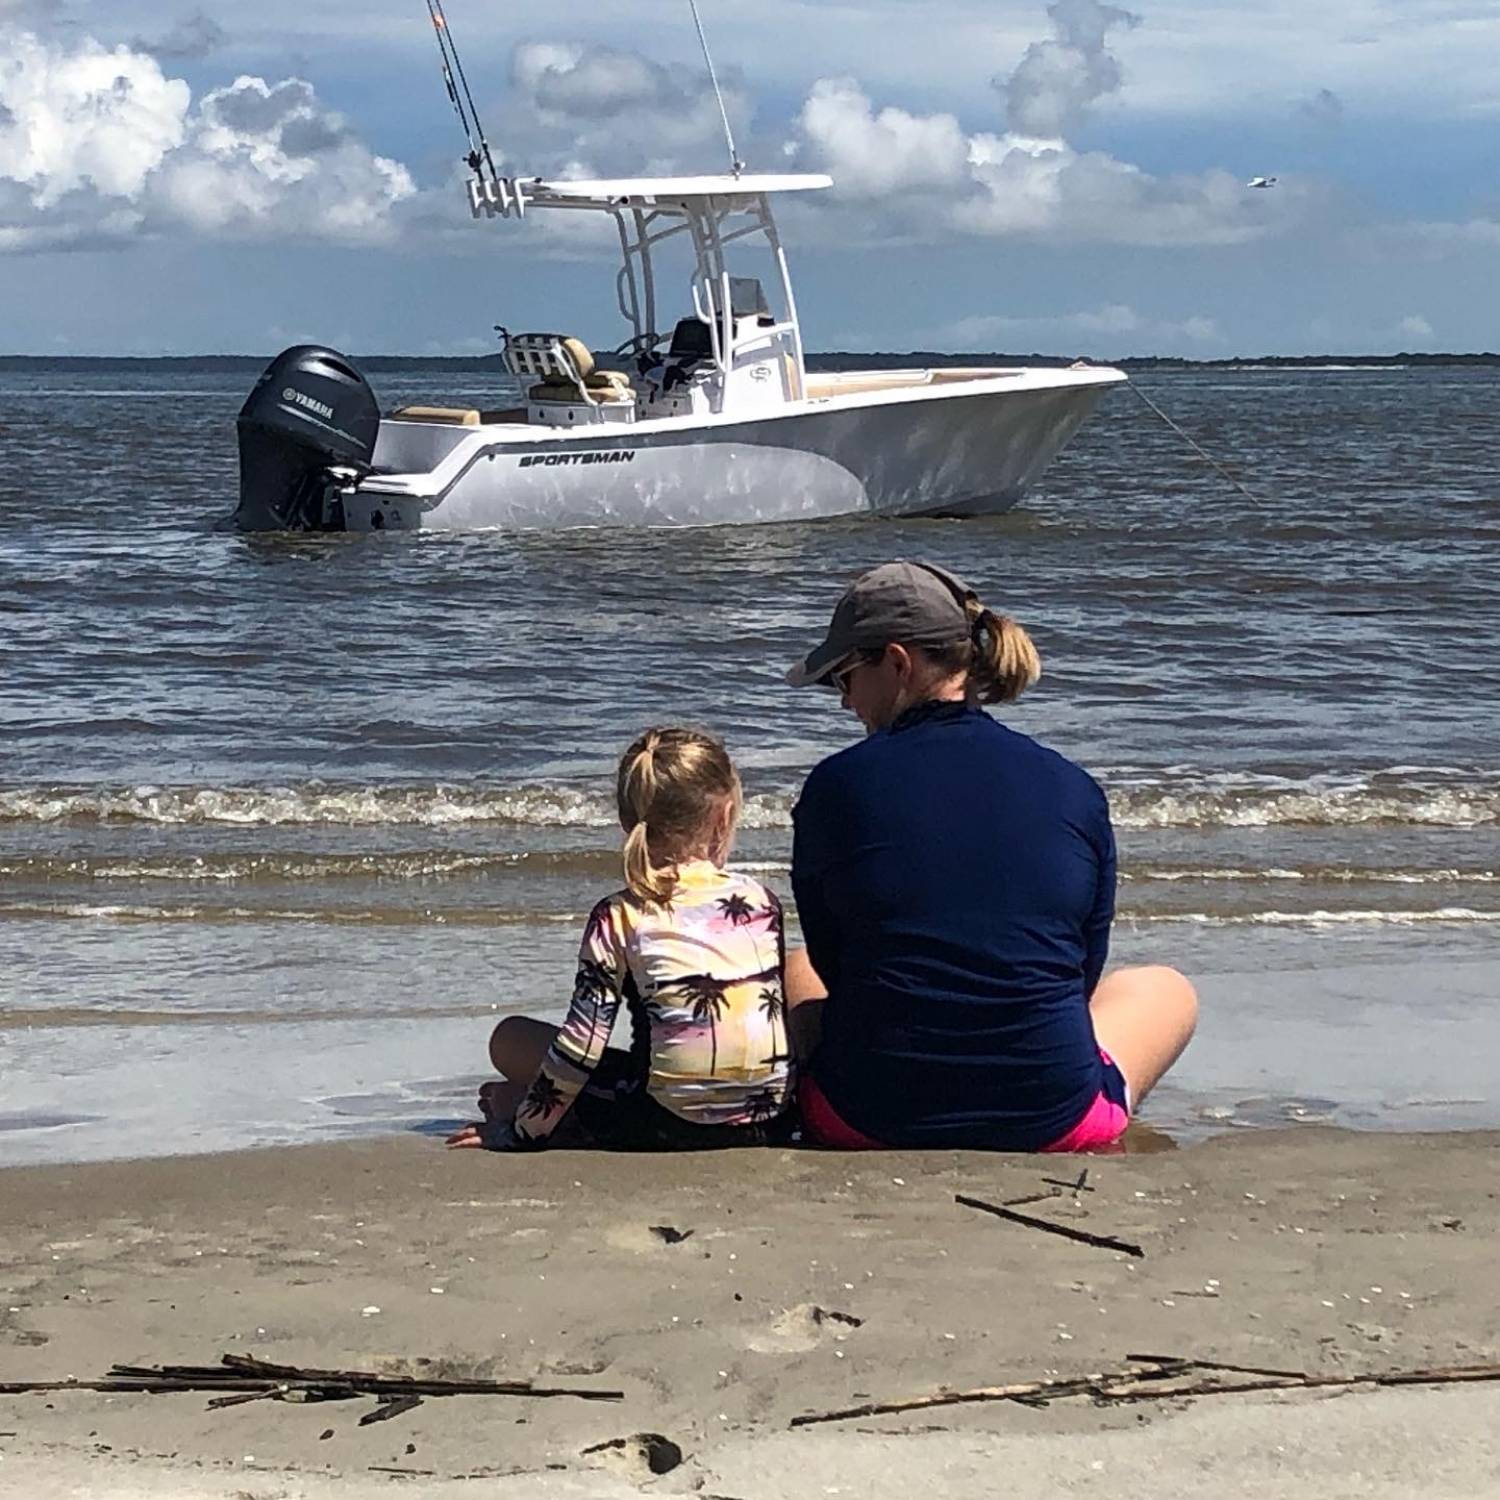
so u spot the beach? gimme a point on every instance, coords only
(725, 1295)
(286, 822)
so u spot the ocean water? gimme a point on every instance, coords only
(285, 822)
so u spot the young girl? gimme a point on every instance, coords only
(694, 954)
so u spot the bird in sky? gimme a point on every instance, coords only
(1261, 182)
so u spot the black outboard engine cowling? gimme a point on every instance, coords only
(311, 412)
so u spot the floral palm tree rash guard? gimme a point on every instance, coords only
(701, 979)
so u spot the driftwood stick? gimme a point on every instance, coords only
(242, 1373)
(1214, 1364)
(1026, 1391)
(1452, 1375)
(241, 1397)
(390, 1406)
(1155, 1385)
(1103, 1241)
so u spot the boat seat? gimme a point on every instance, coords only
(547, 356)
(602, 388)
(565, 369)
(457, 416)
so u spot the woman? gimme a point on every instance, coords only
(955, 882)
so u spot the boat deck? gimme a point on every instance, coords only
(822, 387)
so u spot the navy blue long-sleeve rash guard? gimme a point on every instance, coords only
(955, 882)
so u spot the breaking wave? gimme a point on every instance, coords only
(1441, 914)
(1170, 798)
(1411, 796)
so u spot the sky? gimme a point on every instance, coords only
(1009, 175)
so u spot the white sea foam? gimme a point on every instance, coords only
(1441, 914)
(1322, 874)
(402, 916)
(1174, 797)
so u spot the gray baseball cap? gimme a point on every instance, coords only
(915, 603)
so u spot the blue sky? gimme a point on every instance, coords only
(1010, 174)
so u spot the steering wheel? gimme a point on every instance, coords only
(638, 343)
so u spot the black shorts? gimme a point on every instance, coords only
(615, 1113)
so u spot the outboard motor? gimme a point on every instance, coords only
(311, 414)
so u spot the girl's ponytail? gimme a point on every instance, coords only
(644, 879)
(671, 784)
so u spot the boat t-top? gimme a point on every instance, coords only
(704, 414)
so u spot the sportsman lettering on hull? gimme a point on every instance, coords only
(551, 460)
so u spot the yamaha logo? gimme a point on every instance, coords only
(294, 397)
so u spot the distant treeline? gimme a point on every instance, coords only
(832, 361)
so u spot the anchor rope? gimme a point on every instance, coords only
(1197, 448)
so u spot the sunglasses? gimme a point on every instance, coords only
(840, 677)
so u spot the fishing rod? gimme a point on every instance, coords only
(479, 154)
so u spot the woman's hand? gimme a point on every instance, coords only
(467, 1138)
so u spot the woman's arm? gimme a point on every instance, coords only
(813, 845)
(1102, 915)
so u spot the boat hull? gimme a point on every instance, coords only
(959, 452)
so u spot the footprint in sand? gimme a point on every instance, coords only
(639, 1456)
(801, 1328)
(641, 1238)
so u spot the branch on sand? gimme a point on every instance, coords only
(249, 1379)
(1083, 1236)
(1168, 1377)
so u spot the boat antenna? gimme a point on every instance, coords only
(735, 164)
(479, 154)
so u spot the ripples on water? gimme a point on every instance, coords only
(300, 779)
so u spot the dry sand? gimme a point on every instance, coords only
(795, 1281)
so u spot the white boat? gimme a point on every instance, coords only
(710, 419)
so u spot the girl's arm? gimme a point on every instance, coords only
(580, 1042)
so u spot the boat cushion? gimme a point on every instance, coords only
(459, 416)
(565, 391)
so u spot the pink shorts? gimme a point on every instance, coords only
(1101, 1127)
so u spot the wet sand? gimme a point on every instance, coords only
(790, 1282)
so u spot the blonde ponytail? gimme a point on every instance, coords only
(672, 785)
(642, 877)
(1005, 661)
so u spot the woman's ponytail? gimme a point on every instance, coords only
(1005, 661)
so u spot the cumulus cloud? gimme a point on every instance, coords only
(1111, 326)
(880, 152)
(1414, 326)
(578, 108)
(270, 159)
(98, 144)
(1057, 80)
(935, 179)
